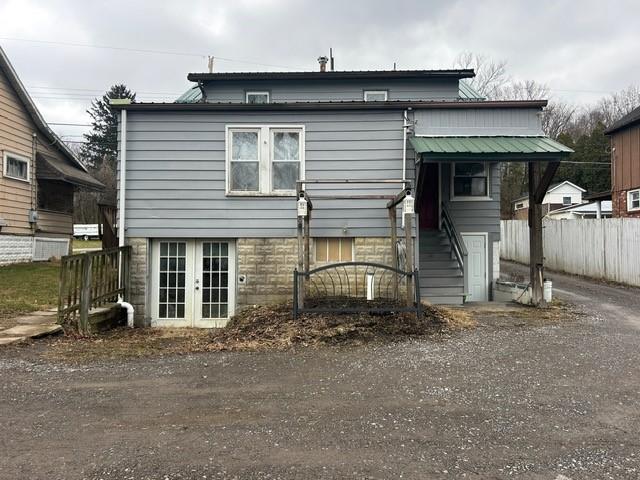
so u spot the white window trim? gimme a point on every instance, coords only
(570, 200)
(327, 261)
(629, 193)
(375, 92)
(257, 92)
(20, 158)
(265, 151)
(452, 195)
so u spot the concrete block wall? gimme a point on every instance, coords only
(15, 249)
(139, 278)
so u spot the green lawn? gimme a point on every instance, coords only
(80, 244)
(27, 287)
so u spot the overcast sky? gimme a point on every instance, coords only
(581, 49)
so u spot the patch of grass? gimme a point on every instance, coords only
(27, 287)
(79, 244)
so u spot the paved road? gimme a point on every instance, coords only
(510, 399)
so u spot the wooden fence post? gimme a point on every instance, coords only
(85, 293)
(394, 241)
(409, 247)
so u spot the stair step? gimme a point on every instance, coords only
(442, 290)
(440, 272)
(444, 299)
(441, 282)
(441, 255)
(426, 265)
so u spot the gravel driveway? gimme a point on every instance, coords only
(508, 399)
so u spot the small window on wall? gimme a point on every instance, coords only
(566, 200)
(470, 180)
(334, 250)
(375, 95)
(519, 206)
(257, 97)
(633, 200)
(15, 167)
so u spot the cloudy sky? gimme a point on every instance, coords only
(582, 49)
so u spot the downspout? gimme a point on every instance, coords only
(405, 126)
(121, 208)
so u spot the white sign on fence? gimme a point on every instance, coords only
(607, 248)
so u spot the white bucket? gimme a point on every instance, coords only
(547, 292)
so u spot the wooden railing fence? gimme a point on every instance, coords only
(91, 280)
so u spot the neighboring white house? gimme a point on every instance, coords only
(559, 195)
(579, 212)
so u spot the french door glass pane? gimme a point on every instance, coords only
(215, 265)
(171, 295)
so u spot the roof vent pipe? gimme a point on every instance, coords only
(323, 63)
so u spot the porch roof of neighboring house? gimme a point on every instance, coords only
(584, 209)
(51, 168)
(498, 148)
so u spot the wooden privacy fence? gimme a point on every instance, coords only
(91, 280)
(606, 248)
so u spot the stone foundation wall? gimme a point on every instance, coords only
(268, 264)
(139, 278)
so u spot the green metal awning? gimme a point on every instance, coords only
(496, 147)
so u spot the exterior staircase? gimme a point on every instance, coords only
(441, 279)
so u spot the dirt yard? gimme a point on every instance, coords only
(543, 397)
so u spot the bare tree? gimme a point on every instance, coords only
(617, 105)
(491, 76)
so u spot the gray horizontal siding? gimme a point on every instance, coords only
(319, 91)
(176, 175)
(501, 121)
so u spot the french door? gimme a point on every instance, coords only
(193, 283)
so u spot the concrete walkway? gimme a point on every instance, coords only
(34, 325)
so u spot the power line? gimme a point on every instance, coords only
(142, 50)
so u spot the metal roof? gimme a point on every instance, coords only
(329, 75)
(493, 145)
(626, 121)
(465, 92)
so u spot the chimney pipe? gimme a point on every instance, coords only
(323, 63)
(331, 64)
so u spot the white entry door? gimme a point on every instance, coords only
(193, 283)
(477, 266)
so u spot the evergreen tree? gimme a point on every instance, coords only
(102, 143)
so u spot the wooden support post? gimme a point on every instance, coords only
(393, 222)
(307, 241)
(408, 237)
(85, 294)
(539, 182)
(300, 263)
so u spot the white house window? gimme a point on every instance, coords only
(264, 160)
(633, 200)
(15, 166)
(519, 205)
(257, 97)
(334, 250)
(375, 95)
(470, 180)
(566, 200)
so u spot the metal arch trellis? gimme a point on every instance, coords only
(353, 280)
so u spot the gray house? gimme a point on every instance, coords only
(209, 197)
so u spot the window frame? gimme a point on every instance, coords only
(257, 92)
(519, 205)
(328, 261)
(567, 204)
(375, 92)
(265, 158)
(21, 158)
(629, 201)
(471, 198)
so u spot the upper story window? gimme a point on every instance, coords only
(633, 200)
(15, 166)
(375, 95)
(519, 205)
(470, 180)
(264, 160)
(566, 200)
(257, 97)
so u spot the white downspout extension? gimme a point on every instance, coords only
(121, 207)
